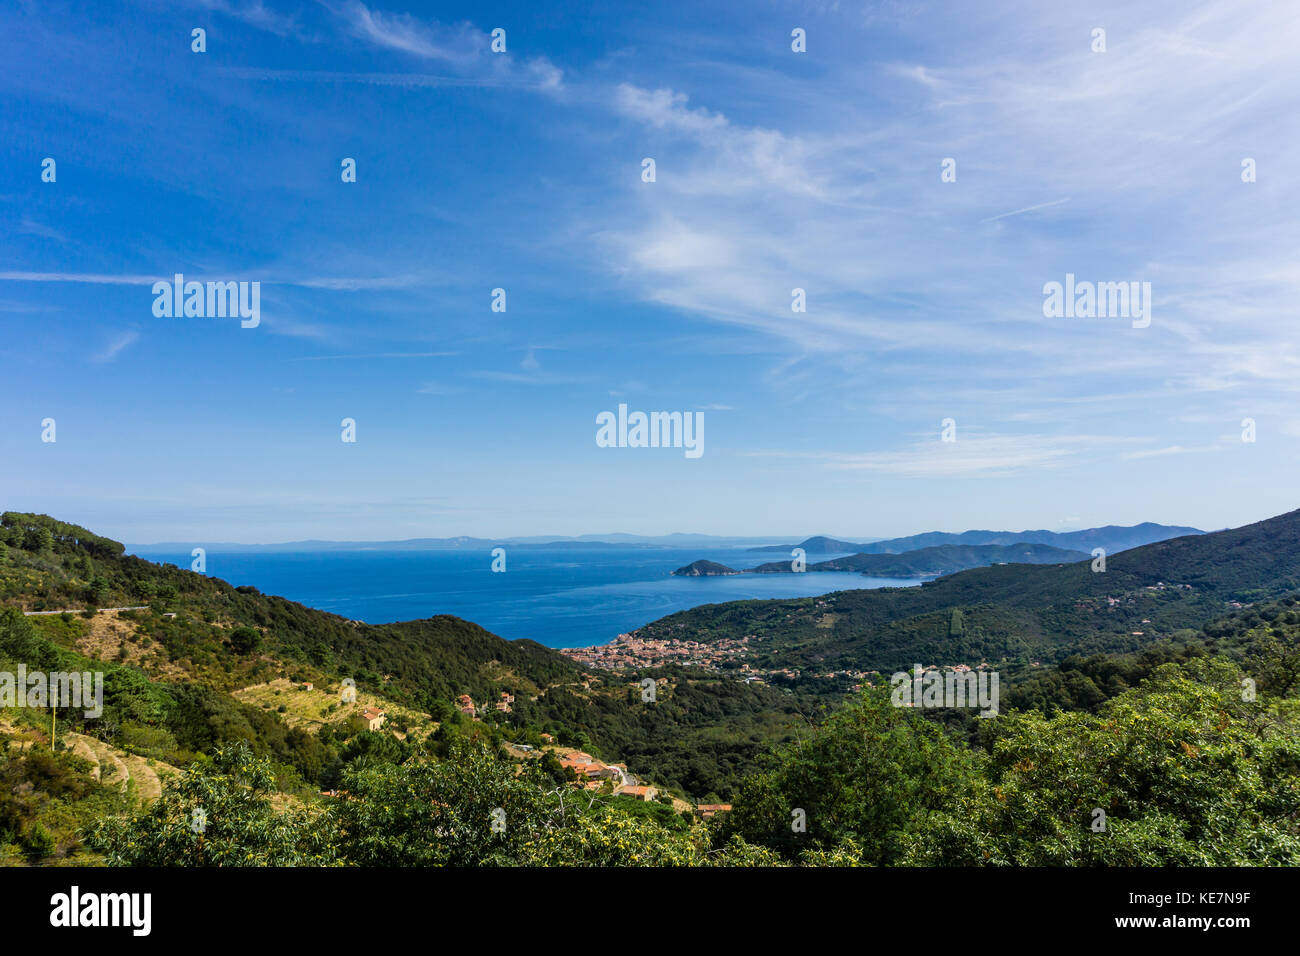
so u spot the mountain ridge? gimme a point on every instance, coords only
(1111, 537)
(1044, 611)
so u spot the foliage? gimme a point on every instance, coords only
(1186, 771)
(240, 827)
(867, 775)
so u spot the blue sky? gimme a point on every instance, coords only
(775, 170)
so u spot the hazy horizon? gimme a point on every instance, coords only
(599, 537)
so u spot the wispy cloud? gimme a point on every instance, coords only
(32, 228)
(1018, 212)
(1171, 450)
(335, 283)
(116, 346)
(461, 47)
(972, 455)
(371, 355)
(252, 12)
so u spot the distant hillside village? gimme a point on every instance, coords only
(590, 773)
(587, 772)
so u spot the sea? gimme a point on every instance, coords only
(560, 597)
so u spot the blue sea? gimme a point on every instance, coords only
(560, 597)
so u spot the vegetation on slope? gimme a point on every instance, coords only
(1154, 729)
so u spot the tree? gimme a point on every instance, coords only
(245, 640)
(475, 809)
(218, 813)
(1179, 771)
(97, 592)
(38, 539)
(867, 776)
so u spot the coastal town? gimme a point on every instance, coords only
(633, 651)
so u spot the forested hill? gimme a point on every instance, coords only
(200, 641)
(206, 666)
(943, 559)
(192, 664)
(1013, 610)
(52, 565)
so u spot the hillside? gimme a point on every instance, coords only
(52, 565)
(943, 559)
(1012, 611)
(205, 672)
(179, 670)
(734, 678)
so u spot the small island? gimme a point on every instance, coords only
(920, 563)
(703, 569)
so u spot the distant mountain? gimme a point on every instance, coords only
(1016, 612)
(1112, 537)
(944, 559)
(675, 540)
(464, 543)
(702, 569)
(820, 544)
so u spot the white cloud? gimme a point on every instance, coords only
(972, 454)
(461, 47)
(116, 346)
(1121, 165)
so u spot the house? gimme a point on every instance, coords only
(308, 686)
(643, 793)
(374, 718)
(708, 811)
(465, 705)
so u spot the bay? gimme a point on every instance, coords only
(560, 597)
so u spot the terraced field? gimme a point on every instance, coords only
(141, 777)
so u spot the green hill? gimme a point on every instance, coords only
(204, 674)
(175, 669)
(703, 569)
(1041, 612)
(944, 559)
